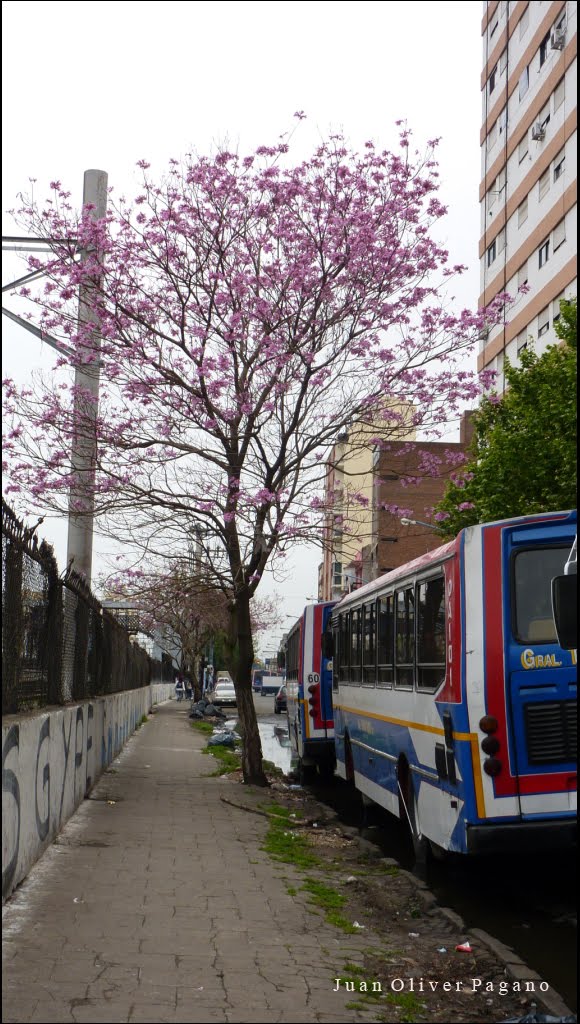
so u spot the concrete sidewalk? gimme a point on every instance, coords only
(156, 903)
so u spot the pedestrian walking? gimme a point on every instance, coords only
(188, 688)
(179, 687)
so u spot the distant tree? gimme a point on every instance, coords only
(185, 606)
(250, 310)
(523, 453)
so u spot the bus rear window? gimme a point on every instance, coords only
(534, 570)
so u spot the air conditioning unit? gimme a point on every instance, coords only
(558, 38)
(483, 334)
(538, 132)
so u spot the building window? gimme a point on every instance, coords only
(492, 253)
(544, 322)
(524, 84)
(501, 241)
(523, 275)
(494, 26)
(556, 307)
(523, 148)
(561, 22)
(521, 342)
(544, 184)
(524, 22)
(559, 93)
(502, 122)
(559, 165)
(503, 62)
(559, 236)
(337, 574)
(523, 212)
(544, 118)
(544, 253)
(493, 80)
(544, 49)
(492, 137)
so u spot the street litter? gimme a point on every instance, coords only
(351, 878)
(442, 949)
(111, 803)
(413, 935)
(222, 738)
(464, 947)
(355, 924)
(77, 899)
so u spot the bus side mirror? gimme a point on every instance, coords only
(327, 644)
(565, 610)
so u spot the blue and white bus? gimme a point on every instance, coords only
(454, 705)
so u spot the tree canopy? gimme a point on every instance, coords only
(241, 312)
(523, 453)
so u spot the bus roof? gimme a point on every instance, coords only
(441, 554)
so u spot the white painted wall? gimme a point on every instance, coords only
(50, 762)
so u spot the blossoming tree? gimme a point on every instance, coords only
(250, 309)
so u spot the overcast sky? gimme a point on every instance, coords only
(103, 85)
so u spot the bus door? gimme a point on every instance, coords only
(541, 677)
(326, 662)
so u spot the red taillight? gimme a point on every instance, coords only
(314, 700)
(492, 766)
(490, 745)
(488, 724)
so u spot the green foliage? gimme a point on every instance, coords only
(284, 845)
(229, 760)
(523, 453)
(204, 727)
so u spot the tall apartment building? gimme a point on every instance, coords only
(528, 171)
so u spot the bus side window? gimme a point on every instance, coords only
(355, 645)
(405, 637)
(431, 634)
(369, 647)
(384, 620)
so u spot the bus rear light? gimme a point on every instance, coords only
(488, 724)
(490, 745)
(492, 766)
(314, 700)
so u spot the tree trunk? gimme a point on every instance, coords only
(240, 656)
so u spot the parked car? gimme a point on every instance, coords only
(280, 701)
(223, 693)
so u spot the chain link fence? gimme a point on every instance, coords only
(58, 643)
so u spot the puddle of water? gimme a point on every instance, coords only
(275, 745)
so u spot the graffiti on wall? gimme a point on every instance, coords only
(49, 765)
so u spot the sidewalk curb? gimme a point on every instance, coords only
(515, 968)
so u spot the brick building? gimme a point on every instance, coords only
(386, 543)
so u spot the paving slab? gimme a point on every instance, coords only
(160, 906)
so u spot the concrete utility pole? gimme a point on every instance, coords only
(86, 401)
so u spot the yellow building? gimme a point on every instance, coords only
(349, 495)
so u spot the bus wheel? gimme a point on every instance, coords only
(408, 815)
(306, 773)
(437, 853)
(326, 771)
(348, 760)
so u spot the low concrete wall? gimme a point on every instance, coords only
(161, 692)
(50, 762)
